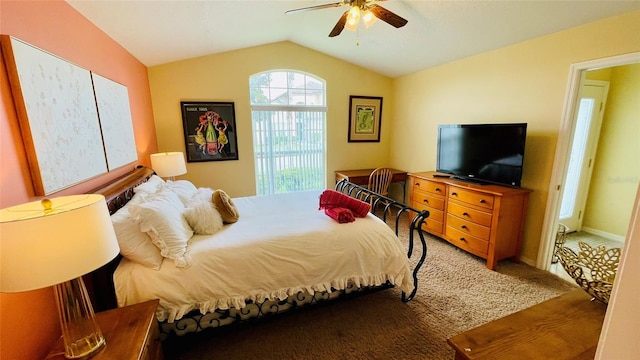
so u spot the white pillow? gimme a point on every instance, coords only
(151, 186)
(161, 218)
(201, 213)
(183, 188)
(134, 244)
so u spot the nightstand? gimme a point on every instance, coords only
(131, 332)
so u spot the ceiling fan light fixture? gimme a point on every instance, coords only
(353, 18)
(368, 18)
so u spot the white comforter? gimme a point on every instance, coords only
(281, 244)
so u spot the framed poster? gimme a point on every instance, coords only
(365, 117)
(209, 131)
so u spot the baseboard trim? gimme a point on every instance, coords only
(528, 261)
(604, 234)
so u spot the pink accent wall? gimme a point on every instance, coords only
(28, 321)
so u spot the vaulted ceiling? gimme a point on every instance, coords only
(437, 32)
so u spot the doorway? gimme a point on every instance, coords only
(563, 150)
(588, 122)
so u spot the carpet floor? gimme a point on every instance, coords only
(456, 292)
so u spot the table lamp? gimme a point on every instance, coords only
(53, 243)
(168, 164)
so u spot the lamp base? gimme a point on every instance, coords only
(80, 330)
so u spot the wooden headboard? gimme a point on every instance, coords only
(117, 193)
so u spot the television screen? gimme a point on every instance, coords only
(491, 153)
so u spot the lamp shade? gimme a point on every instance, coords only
(44, 243)
(168, 164)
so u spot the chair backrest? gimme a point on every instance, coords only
(379, 180)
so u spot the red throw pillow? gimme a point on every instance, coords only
(334, 199)
(341, 215)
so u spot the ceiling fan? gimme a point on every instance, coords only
(366, 10)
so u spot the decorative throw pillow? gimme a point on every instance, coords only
(201, 213)
(161, 218)
(225, 206)
(134, 244)
(332, 199)
(183, 188)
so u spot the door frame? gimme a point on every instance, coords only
(577, 73)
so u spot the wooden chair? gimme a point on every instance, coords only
(379, 182)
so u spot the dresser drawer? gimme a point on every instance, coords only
(429, 186)
(435, 214)
(467, 227)
(432, 226)
(467, 242)
(475, 216)
(434, 223)
(436, 202)
(472, 197)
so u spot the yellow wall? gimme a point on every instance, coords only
(616, 170)
(526, 82)
(225, 77)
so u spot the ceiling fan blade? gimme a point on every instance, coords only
(316, 7)
(339, 25)
(387, 16)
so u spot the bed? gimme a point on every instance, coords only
(281, 253)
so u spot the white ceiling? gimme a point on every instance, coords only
(158, 32)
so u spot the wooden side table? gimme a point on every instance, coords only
(565, 327)
(131, 332)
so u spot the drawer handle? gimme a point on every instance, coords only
(482, 201)
(463, 239)
(426, 201)
(465, 214)
(417, 184)
(438, 189)
(464, 227)
(454, 194)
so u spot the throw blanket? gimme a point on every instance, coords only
(330, 199)
(340, 215)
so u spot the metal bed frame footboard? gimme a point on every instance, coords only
(389, 205)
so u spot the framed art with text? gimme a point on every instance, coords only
(209, 131)
(365, 117)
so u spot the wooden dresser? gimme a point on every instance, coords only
(132, 332)
(485, 220)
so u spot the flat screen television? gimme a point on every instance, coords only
(482, 153)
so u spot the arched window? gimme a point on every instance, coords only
(288, 113)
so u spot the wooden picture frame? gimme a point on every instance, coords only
(209, 130)
(365, 118)
(58, 117)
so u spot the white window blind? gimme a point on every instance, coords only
(288, 117)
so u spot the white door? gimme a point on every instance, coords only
(593, 95)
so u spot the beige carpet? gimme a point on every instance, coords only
(456, 293)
